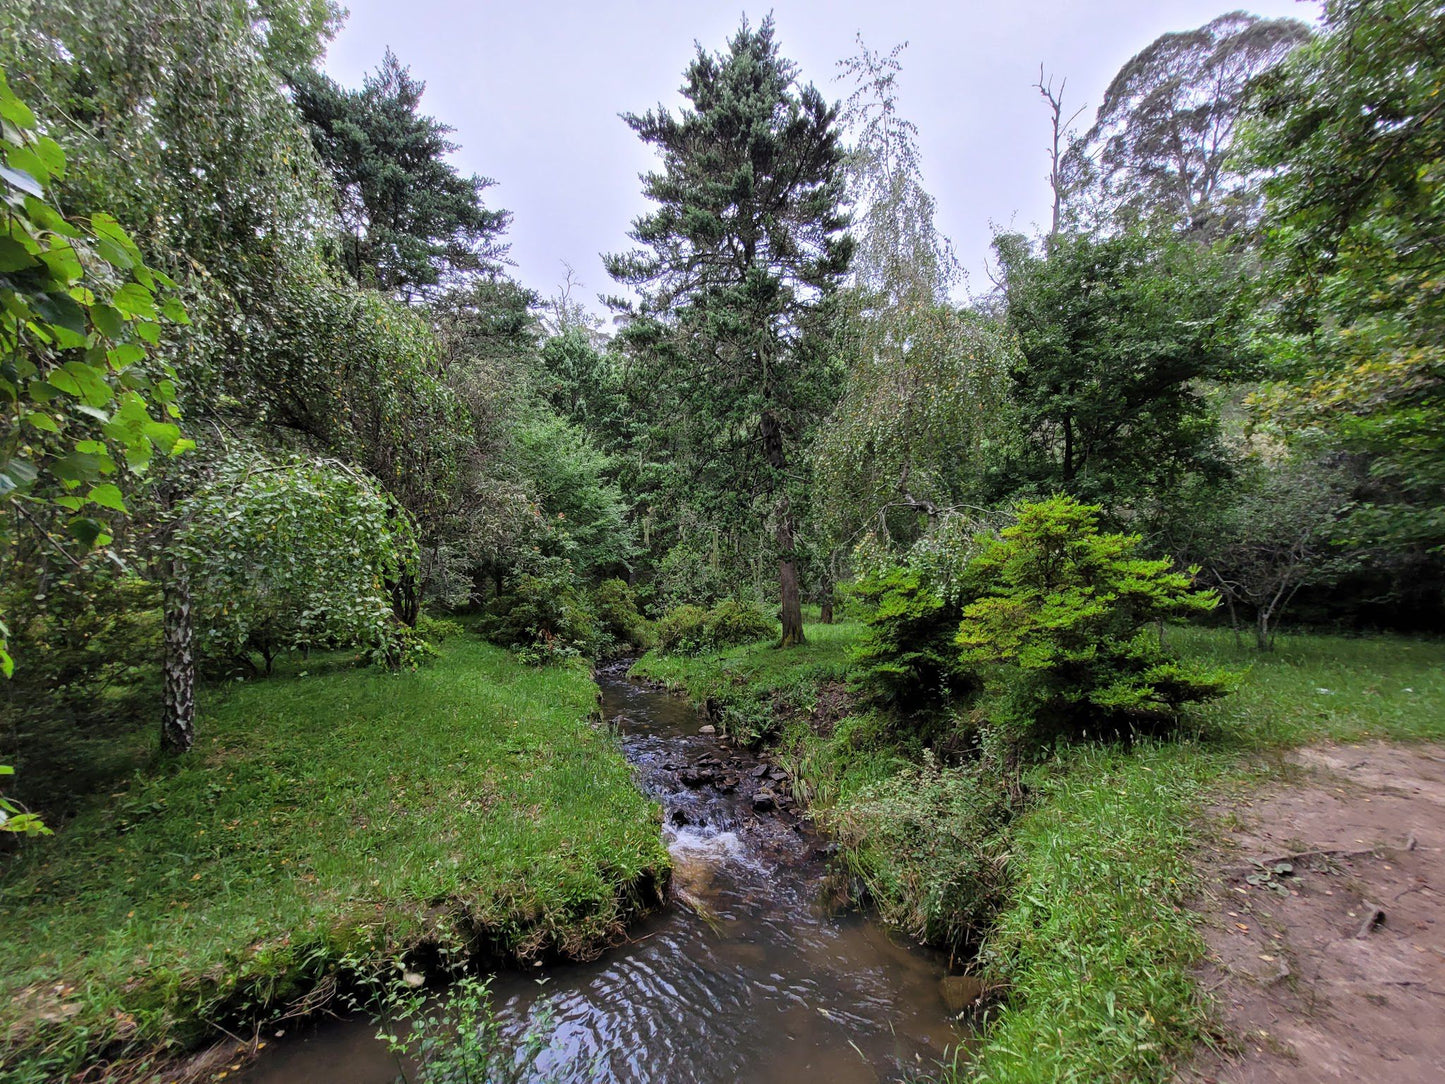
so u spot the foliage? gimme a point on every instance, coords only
(1274, 535)
(683, 631)
(410, 221)
(79, 383)
(545, 613)
(907, 660)
(438, 630)
(1115, 336)
(731, 622)
(686, 575)
(1350, 131)
(293, 556)
(745, 245)
(931, 845)
(456, 1038)
(691, 630)
(1164, 133)
(1057, 629)
(583, 514)
(618, 618)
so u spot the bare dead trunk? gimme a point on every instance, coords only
(178, 704)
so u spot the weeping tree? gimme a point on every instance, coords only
(746, 246)
(926, 388)
(277, 557)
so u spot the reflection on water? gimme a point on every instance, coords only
(747, 977)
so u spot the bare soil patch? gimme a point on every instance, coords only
(1324, 922)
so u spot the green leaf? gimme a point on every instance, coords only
(107, 495)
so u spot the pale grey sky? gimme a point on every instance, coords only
(534, 92)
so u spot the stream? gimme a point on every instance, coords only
(748, 974)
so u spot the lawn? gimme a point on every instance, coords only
(324, 824)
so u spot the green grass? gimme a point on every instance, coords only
(326, 822)
(1095, 946)
(752, 688)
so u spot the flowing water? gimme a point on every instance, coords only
(747, 976)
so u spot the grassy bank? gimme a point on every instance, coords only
(322, 822)
(1094, 944)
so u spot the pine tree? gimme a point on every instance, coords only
(746, 244)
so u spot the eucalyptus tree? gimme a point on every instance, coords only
(1163, 136)
(746, 245)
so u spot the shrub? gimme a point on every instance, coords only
(930, 844)
(732, 623)
(908, 659)
(618, 617)
(1057, 632)
(683, 631)
(546, 615)
(438, 630)
(689, 630)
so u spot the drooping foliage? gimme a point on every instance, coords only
(292, 556)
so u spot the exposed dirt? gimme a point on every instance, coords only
(1324, 923)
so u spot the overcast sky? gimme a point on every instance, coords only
(534, 92)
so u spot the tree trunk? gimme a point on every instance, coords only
(792, 602)
(406, 597)
(788, 578)
(1262, 637)
(829, 592)
(178, 707)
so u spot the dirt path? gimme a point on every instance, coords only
(1327, 962)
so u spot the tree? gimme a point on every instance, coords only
(1058, 630)
(1274, 535)
(1115, 336)
(411, 221)
(746, 243)
(1163, 135)
(291, 556)
(926, 385)
(1352, 132)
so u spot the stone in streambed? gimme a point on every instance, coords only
(709, 729)
(764, 801)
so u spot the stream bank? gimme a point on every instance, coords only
(751, 975)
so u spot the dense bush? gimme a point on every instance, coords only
(683, 631)
(438, 630)
(618, 618)
(1058, 632)
(931, 847)
(545, 615)
(731, 623)
(907, 659)
(689, 630)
